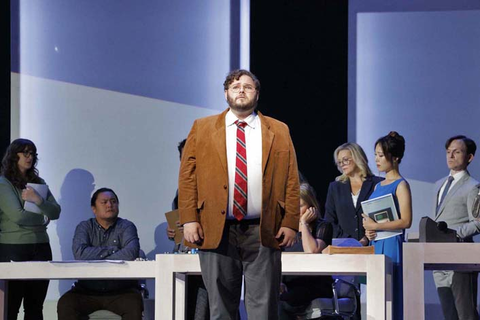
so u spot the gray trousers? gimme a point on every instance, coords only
(457, 292)
(240, 253)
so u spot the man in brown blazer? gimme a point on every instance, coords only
(239, 200)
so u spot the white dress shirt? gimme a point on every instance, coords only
(456, 177)
(355, 198)
(253, 140)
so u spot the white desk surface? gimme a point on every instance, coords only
(418, 257)
(48, 270)
(166, 267)
(104, 270)
(375, 267)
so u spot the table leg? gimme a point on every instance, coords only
(180, 295)
(379, 289)
(413, 283)
(164, 293)
(3, 299)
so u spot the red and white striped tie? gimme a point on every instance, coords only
(240, 192)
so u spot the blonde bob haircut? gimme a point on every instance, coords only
(358, 156)
(308, 195)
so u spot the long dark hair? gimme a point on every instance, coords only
(10, 169)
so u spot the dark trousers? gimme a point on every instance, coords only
(197, 299)
(74, 305)
(32, 293)
(459, 302)
(241, 253)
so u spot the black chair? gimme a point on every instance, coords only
(342, 305)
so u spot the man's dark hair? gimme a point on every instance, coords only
(101, 190)
(236, 74)
(469, 143)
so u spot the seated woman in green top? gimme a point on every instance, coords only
(23, 234)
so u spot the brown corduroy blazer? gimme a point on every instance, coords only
(203, 180)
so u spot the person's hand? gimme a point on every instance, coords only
(364, 241)
(310, 215)
(29, 194)
(370, 234)
(170, 233)
(288, 236)
(180, 228)
(193, 232)
(368, 223)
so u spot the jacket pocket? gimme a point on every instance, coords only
(280, 213)
(200, 206)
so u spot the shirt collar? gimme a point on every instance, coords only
(230, 119)
(459, 175)
(109, 228)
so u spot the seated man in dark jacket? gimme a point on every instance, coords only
(104, 237)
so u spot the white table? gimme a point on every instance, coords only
(48, 270)
(418, 257)
(172, 268)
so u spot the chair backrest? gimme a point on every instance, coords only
(344, 289)
(343, 303)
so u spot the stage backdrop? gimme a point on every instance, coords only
(415, 68)
(107, 89)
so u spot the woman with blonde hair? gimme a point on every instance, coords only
(343, 206)
(355, 184)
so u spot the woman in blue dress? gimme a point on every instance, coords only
(389, 152)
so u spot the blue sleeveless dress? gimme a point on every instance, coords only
(392, 248)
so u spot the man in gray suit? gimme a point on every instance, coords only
(457, 290)
(472, 228)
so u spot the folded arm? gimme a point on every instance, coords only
(11, 205)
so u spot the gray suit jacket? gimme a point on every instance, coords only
(456, 212)
(471, 228)
(454, 209)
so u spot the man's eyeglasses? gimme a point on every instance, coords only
(246, 88)
(26, 154)
(344, 161)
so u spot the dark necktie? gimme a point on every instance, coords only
(240, 191)
(445, 191)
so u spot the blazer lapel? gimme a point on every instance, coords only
(267, 140)
(438, 186)
(451, 193)
(220, 140)
(346, 190)
(367, 185)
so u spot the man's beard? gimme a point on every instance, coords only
(243, 105)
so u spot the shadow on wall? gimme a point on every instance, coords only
(75, 194)
(162, 243)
